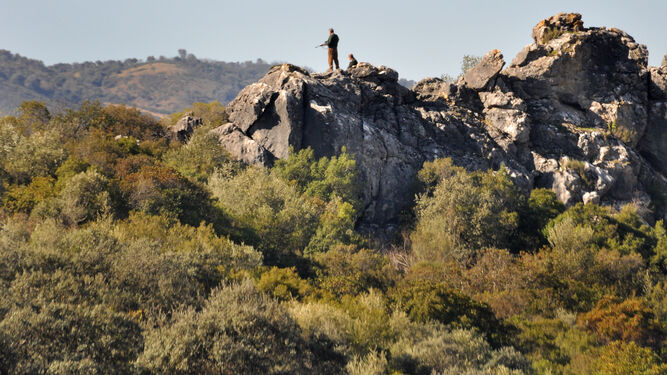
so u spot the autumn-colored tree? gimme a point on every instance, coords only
(623, 320)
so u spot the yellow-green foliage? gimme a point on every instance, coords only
(621, 132)
(580, 168)
(213, 114)
(130, 255)
(550, 34)
(272, 209)
(627, 358)
(323, 178)
(347, 270)
(460, 212)
(283, 283)
(23, 198)
(426, 301)
(200, 157)
(239, 331)
(26, 156)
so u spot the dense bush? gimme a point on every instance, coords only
(280, 220)
(425, 302)
(200, 157)
(460, 212)
(58, 338)
(239, 331)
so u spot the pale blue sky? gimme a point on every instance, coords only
(417, 38)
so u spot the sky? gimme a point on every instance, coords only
(417, 38)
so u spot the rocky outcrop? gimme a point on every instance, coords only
(183, 129)
(481, 76)
(587, 102)
(552, 27)
(577, 111)
(383, 124)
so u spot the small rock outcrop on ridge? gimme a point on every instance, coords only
(184, 128)
(578, 111)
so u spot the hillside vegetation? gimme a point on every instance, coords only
(159, 86)
(134, 255)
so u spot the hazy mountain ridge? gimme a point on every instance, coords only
(160, 86)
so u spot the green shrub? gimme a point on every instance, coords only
(323, 178)
(283, 284)
(346, 270)
(280, 220)
(200, 157)
(160, 190)
(627, 358)
(425, 301)
(238, 331)
(23, 198)
(543, 206)
(58, 338)
(463, 212)
(336, 227)
(25, 157)
(85, 197)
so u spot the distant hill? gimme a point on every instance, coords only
(160, 86)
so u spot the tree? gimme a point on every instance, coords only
(239, 331)
(279, 220)
(85, 197)
(468, 61)
(63, 339)
(620, 358)
(28, 156)
(460, 212)
(34, 115)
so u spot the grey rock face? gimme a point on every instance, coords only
(184, 128)
(654, 144)
(242, 146)
(387, 129)
(433, 89)
(658, 83)
(572, 113)
(482, 74)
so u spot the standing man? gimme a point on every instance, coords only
(332, 43)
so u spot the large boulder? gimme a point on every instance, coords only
(485, 71)
(658, 83)
(593, 78)
(586, 97)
